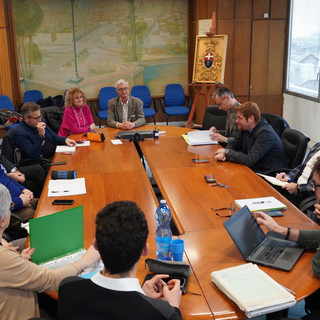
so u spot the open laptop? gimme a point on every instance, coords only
(257, 247)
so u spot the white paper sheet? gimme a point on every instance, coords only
(66, 187)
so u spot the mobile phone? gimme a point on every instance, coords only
(200, 160)
(209, 178)
(62, 201)
(275, 213)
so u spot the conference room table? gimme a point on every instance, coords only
(116, 172)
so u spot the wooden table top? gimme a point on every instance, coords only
(115, 172)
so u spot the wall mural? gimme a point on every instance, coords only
(93, 43)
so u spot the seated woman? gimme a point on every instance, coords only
(77, 117)
(20, 279)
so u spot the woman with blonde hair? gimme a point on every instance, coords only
(77, 117)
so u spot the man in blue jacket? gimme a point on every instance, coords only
(258, 147)
(33, 137)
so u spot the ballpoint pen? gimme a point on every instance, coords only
(258, 202)
(57, 191)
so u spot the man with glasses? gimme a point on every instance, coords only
(300, 180)
(225, 100)
(308, 238)
(34, 137)
(125, 111)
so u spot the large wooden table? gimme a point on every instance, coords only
(115, 172)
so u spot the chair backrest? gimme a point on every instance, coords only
(214, 117)
(295, 144)
(277, 123)
(6, 103)
(32, 96)
(143, 93)
(105, 94)
(9, 146)
(174, 95)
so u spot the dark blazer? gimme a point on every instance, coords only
(260, 149)
(135, 112)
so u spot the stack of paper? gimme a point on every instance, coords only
(261, 204)
(199, 137)
(252, 290)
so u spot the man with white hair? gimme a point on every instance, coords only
(125, 111)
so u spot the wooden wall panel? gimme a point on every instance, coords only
(201, 10)
(243, 9)
(261, 101)
(274, 104)
(241, 59)
(259, 8)
(259, 57)
(279, 9)
(2, 15)
(227, 27)
(276, 57)
(226, 9)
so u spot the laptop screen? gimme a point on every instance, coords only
(244, 231)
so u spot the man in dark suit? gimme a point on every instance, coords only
(125, 111)
(258, 147)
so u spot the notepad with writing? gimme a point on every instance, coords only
(261, 204)
(252, 290)
(273, 180)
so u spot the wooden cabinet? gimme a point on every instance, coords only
(255, 62)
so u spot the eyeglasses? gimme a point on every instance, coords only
(231, 209)
(315, 186)
(219, 104)
(123, 89)
(36, 118)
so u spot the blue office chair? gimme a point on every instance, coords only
(173, 103)
(32, 96)
(6, 103)
(105, 94)
(143, 93)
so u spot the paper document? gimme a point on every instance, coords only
(252, 290)
(66, 187)
(65, 149)
(273, 180)
(200, 137)
(261, 204)
(83, 144)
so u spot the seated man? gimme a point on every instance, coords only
(258, 147)
(32, 177)
(300, 185)
(125, 111)
(33, 137)
(225, 100)
(115, 293)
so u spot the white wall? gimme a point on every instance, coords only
(303, 115)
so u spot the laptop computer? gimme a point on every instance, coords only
(255, 246)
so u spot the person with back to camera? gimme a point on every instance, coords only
(20, 279)
(115, 293)
(125, 111)
(77, 117)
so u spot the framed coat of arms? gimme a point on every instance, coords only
(210, 59)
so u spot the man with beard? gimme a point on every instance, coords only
(258, 147)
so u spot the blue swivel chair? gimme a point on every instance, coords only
(143, 93)
(32, 96)
(6, 103)
(105, 94)
(174, 102)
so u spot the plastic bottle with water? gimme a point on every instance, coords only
(163, 233)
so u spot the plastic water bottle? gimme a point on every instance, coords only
(163, 233)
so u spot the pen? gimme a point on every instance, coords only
(258, 202)
(59, 191)
(288, 290)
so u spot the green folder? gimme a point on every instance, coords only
(56, 235)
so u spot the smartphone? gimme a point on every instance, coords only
(200, 160)
(209, 178)
(275, 213)
(62, 201)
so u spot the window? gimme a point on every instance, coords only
(303, 67)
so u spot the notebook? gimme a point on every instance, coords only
(261, 204)
(58, 238)
(256, 247)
